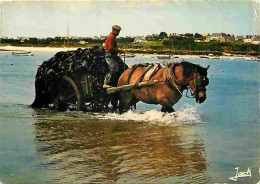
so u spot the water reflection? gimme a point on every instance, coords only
(84, 150)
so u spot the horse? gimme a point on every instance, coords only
(172, 80)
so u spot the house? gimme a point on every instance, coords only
(255, 39)
(208, 38)
(221, 37)
(248, 38)
(139, 39)
(102, 37)
(22, 39)
(239, 38)
(174, 35)
(150, 38)
(229, 38)
(95, 38)
(82, 42)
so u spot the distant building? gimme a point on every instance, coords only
(238, 37)
(255, 39)
(76, 38)
(221, 37)
(140, 39)
(174, 35)
(188, 35)
(229, 38)
(248, 38)
(22, 39)
(82, 42)
(208, 38)
(205, 35)
(102, 37)
(95, 38)
(150, 38)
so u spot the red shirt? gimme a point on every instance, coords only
(110, 44)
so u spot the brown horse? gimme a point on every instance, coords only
(172, 80)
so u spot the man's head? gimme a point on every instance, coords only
(116, 30)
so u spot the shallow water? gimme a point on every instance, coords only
(200, 143)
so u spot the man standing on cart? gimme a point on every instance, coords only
(115, 63)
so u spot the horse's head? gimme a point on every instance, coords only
(198, 82)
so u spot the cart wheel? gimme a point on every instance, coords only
(69, 96)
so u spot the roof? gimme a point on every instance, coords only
(256, 38)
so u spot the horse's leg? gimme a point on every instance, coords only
(114, 100)
(168, 109)
(166, 106)
(126, 100)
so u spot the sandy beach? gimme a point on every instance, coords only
(58, 49)
(35, 49)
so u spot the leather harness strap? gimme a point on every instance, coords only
(142, 76)
(170, 77)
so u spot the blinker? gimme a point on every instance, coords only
(201, 83)
(206, 81)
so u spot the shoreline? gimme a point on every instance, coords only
(33, 49)
(59, 49)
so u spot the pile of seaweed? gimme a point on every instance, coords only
(74, 64)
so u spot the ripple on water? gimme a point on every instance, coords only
(94, 147)
(187, 115)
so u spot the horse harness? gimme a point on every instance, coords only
(149, 72)
(168, 75)
(199, 81)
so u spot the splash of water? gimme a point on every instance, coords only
(186, 115)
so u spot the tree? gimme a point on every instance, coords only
(163, 35)
(197, 36)
(188, 35)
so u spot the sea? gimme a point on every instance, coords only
(199, 143)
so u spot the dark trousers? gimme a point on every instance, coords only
(116, 68)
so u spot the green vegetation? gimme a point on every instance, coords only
(162, 43)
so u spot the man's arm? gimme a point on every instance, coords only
(113, 46)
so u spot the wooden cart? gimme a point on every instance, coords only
(79, 93)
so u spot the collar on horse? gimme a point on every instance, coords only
(170, 77)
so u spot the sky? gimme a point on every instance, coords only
(95, 18)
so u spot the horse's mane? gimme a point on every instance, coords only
(190, 68)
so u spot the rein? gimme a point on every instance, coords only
(177, 87)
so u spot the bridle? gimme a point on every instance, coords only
(200, 83)
(187, 87)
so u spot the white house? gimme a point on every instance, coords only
(23, 38)
(95, 38)
(248, 38)
(140, 39)
(219, 37)
(255, 39)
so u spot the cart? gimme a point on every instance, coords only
(74, 80)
